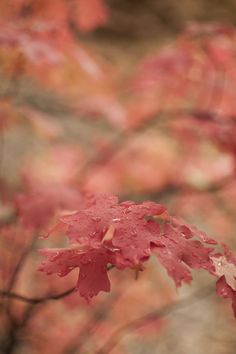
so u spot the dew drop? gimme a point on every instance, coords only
(55, 256)
(96, 218)
(113, 249)
(116, 220)
(86, 261)
(93, 234)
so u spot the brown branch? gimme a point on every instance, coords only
(123, 137)
(180, 190)
(35, 300)
(96, 317)
(118, 142)
(153, 316)
(13, 280)
(39, 300)
(21, 262)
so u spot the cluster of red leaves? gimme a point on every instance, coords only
(42, 35)
(37, 207)
(106, 233)
(192, 80)
(48, 187)
(198, 70)
(87, 14)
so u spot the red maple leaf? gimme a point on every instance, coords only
(225, 269)
(105, 232)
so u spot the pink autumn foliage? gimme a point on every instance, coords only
(38, 205)
(90, 14)
(106, 233)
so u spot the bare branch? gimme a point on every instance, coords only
(180, 190)
(121, 139)
(153, 316)
(36, 300)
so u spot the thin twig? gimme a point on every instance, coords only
(173, 189)
(15, 274)
(123, 137)
(35, 300)
(153, 316)
(21, 262)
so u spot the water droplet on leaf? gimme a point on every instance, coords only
(96, 218)
(116, 220)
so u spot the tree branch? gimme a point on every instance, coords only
(39, 300)
(174, 189)
(153, 316)
(124, 136)
(35, 300)
(21, 262)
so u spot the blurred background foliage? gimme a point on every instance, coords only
(139, 107)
